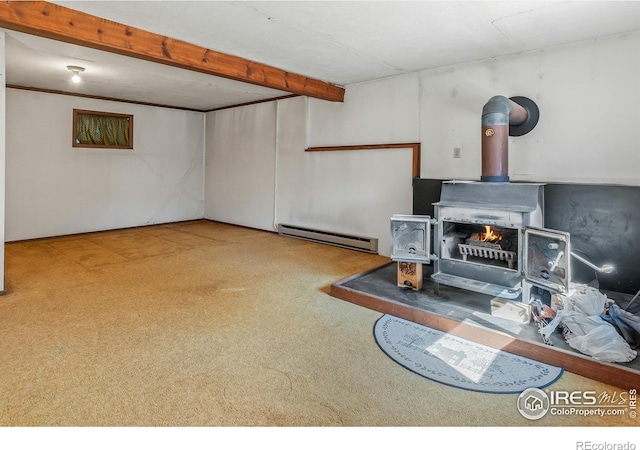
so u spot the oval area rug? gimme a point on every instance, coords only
(458, 362)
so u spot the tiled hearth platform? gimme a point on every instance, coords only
(468, 315)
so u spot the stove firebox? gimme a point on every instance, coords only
(479, 236)
(481, 244)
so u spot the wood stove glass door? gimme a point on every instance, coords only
(547, 256)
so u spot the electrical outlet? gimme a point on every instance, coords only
(456, 152)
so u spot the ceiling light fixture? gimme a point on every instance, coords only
(76, 73)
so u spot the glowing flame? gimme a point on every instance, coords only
(489, 235)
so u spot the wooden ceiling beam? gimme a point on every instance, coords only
(56, 22)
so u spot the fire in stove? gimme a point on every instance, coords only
(486, 245)
(488, 235)
(482, 244)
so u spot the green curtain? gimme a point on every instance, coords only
(93, 129)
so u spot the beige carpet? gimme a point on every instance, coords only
(206, 324)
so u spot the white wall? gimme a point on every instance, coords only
(240, 165)
(381, 112)
(588, 95)
(352, 192)
(258, 174)
(588, 132)
(54, 189)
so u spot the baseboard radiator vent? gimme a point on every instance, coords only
(363, 244)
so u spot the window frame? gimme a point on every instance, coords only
(77, 112)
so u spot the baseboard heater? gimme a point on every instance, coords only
(363, 244)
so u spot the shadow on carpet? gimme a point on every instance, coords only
(458, 362)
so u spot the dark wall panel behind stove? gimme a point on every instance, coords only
(604, 222)
(426, 192)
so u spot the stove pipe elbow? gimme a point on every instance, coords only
(503, 117)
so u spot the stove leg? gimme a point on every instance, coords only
(436, 288)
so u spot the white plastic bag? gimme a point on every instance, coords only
(582, 300)
(585, 300)
(595, 337)
(585, 330)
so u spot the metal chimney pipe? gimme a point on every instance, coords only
(503, 117)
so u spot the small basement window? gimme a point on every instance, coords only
(95, 129)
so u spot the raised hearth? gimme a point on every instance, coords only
(467, 314)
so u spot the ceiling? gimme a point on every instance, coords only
(339, 42)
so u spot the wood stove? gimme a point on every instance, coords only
(489, 235)
(488, 238)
